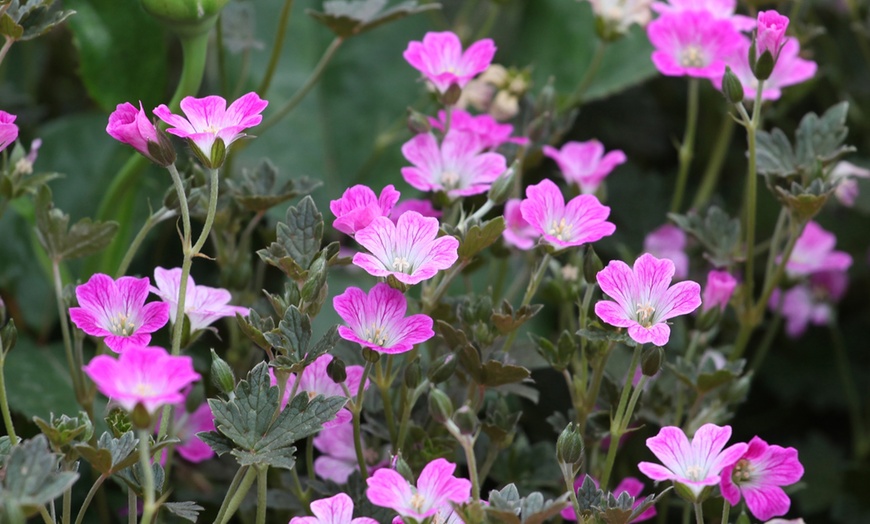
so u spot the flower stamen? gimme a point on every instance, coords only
(561, 230)
(692, 56)
(645, 313)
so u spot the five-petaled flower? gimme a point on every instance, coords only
(518, 232)
(441, 60)
(692, 43)
(489, 132)
(436, 489)
(142, 375)
(695, 464)
(333, 510)
(581, 221)
(643, 298)
(202, 304)
(209, 120)
(584, 163)
(377, 320)
(814, 252)
(132, 127)
(410, 249)
(8, 129)
(758, 475)
(359, 205)
(117, 311)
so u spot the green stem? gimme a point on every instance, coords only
(234, 486)
(726, 510)
(233, 503)
(132, 507)
(66, 517)
(262, 484)
(467, 443)
(620, 420)
(411, 397)
(531, 289)
(149, 509)
(384, 388)
(154, 219)
(687, 147)
(75, 373)
(5, 49)
(699, 513)
(752, 192)
(595, 386)
(89, 497)
(277, 47)
(309, 457)
(357, 433)
(4, 403)
(431, 300)
(769, 335)
(43, 512)
(589, 75)
(714, 165)
(569, 483)
(853, 399)
(774, 243)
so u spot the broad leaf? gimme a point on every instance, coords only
(31, 476)
(349, 18)
(185, 510)
(258, 190)
(62, 242)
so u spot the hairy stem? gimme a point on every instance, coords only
(687, 147)
(277, 46)
(149, 509)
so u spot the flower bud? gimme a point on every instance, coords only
(651, 360)
(451, 96)
(501, 189)
(119, 422)
(764, 66)
(418, 123)
(336, 370)
(215, 157)
(443, 368)
(708, 319)
(412, 374)
(731, 87)
(370, 355)
(221, 374)
(569, 446)
(440, 406)
(466, 420)
(402, 468)
(186, 17)
(10, 336)
(139, 417)
(591, 265)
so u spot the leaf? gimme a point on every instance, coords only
(111, 454)
(31, 476)
(298, 242)
(480, 237)
(496, 373)
(84, 238)
(258, 189)
(293, 334)
(35, 17)
(774, 154)
(507, 321)
(38, 380)
(186, 510)
(349, 18)
(132, 476)
(718, 232)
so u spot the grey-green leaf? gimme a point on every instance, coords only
(31, 474)
(186, 510)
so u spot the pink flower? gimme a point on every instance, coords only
(8, 130)
(644, 298)
(187, 425)
(117, 310)
(770, 33)
(844, 175)
(132, 127)
(758, 475)
(810, 302)
(629, 485)
(518, 232)
(458, 167)
(358, 206)
(441, 60)
(669, 241)
(202, 304)
(410, 249)
(692, 43)
(436, 489)
(720, 9)
(790, 69)
(209, 119)
(717, 293)
(814, 252)
(584, 163)
(489, 132)
(315, 381)
(334, 510)
(337, 460)
(378, 321)
(424, 207)
(142, 375)
(695, 464)
(582, 220)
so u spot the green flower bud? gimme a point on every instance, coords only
(443, 368)
(418, 123)
(451, 96)
(731, 87)
(501, 189)
(118, 421)
(466, 420)
(221, 374)
(651, 361)
(140, 418)
(569, 446)
(440, 406)
(591, 265)
(186, 17)
(764, 66)
(370, 355)
(412, 374)
(709, 319)
(336, 370)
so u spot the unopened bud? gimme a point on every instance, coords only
(10, 336)
(139, 417)
(222, 374)
(370, 355)
(651, 361)
(451, 96)
(569, 446)
(708, 319)
(402, 468)
(440, 406)
(118, 421)
(161, 152)
(466, 420)
(412, 374)
(501, 189)
(443, 368)
(764, 66)
(336, 370)
(731, 87)
(591, 265)
(418, 123)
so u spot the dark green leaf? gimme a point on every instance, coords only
(258, 189)
(480, 237)
(84, 238)
(496, 373)
(302, 233)
(36, 17)
(111, 454)
(38, 380)
(718, 232)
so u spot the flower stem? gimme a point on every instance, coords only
(589, 75)
(699, 513)
(595, 387)
(620, 420)
(410, 399)
(66, 517)
(687, 147)
(853, 399)
(262, 484)
(467, 443)
(89, 497)
(726, 510)
(4, 403)
(569, 482)
(75, 373)
(384, 383)
(154, 219)
(147, 476)
(277, 46)
(714, 165)
(357, 433)
(132, 507)
(231, 504)
(6, 46)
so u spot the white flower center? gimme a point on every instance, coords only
(645, 314)
(143, 390)
(376, 335)
(122, 325)
(417, 502)
(401, 265)
(692, 56)
(694, 473)
(561, 229)
(449, 179)
(742, 471)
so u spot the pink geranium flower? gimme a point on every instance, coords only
(770, 35)
(8, 130)
(424, 207)
(717, 293)
(203, 304)
(692, 43)
(845, 175)
(209, 119)
(810, 302)
(142, 375)
(436, 489)
(518, 232)
(117, 311)
(337, 460)
(457, 167)
(441, 60)
(581, 221)
(359, 205)
(790, 69)
(314, 381)
(489, 132)
(377, 320)
(630, 485)
(584, 163)
(758, 475)
(132, 127)
(410, 249)
(695, 464)
(814, 252)
(333, 510)
(644, 298)
(669, 241)
(720, 9)
(187, 425)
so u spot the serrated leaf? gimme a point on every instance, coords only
(31, 476)
(480, 237)
(132, 476)
(774, 154)
(598, 334)
(302, 232)
(247, 417)
(497, 373)
(216, 441)
(716, 230)
(257, 191)
(185, 510)
(110, 454)
(36, 17)
(349, 18)
(84, 238)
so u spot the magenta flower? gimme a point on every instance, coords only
(845, 175)
(692, 43)
(142, 375)
(717, 293)
(378, 321)
(644, 298)
(187, 425)
(770, 35)
(695, 464)
(811, 302)
(410, 249)
(669, 241)
(720, 9)
(132, 127)
(8, 130)
(457, 167)
(582, 220)
(436, 489)
(630, 485)
(441, 60)
(333, 510)
(117, 311)
(489, 132)
(359, 205)
(518, 232)
(814, 252)
(315, 381)
(424, 207)
(758, 475)
(202, 304)
(209, 119)
(337, 460)
(584, 163)
(790, 69)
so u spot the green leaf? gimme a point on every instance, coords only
(259, 191)
(293, 334)
(61, 242)
(185, 510)
(38, 380)
(10, 28)
(718, 232)
(497, 373)
(480, 237)
(122, 52)
(506, 320)
(31, 476)
(298, 242)
(111, 454)
(35, 17)
(349, 18)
